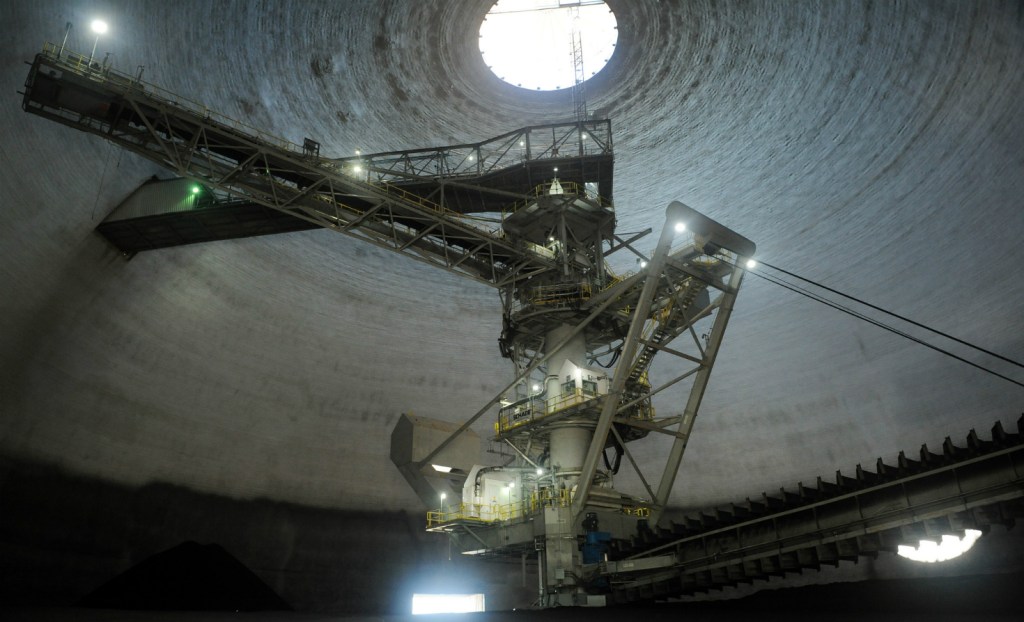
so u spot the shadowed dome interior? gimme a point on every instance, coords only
(871, 147)
(875, 147)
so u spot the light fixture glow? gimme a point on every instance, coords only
(751, 264)
(680, 227)
(511, 484)
(540, 471)
(643, 264)
(536, 387)
(547, 62)
(447, 603)
(99, 27)
(357, 169)
(949, 547)
(442, 469)
(195, 189)
(443, 496)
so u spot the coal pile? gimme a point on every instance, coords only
(187, 577)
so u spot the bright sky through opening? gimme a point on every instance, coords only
(528, 43)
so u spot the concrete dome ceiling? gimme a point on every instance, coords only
(876, 147)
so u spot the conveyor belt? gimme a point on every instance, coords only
(198, 143)
(964, 487)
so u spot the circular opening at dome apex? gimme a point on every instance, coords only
(547, 45)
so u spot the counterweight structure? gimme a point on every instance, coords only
(581, 338)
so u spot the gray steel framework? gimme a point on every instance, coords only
(196, 142)
(969, 487)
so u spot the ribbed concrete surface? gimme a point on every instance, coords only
(874, 146)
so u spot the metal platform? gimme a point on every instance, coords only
(166, 213)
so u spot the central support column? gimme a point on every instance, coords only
(569, 440)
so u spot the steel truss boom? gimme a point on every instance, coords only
(194, 142)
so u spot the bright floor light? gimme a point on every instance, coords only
(447, 603)
(951, 546)
(98, 26)
(528, 43)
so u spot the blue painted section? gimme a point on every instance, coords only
(595, 545)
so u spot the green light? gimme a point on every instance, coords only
(195, 189)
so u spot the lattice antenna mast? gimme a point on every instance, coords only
(579, 95)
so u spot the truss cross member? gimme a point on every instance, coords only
(700, 383)
(524, 374)
(629, 348)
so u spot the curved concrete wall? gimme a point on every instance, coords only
(876, 147)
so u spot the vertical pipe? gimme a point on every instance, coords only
(67, 30)
(93, 53)
(540, 577)
(563, 243)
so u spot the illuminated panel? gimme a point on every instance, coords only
(949, 547)
(447, 603)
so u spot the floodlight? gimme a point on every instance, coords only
(714, 236)
(948, 547)
(751, 264)
(99, 27)
(680, 227)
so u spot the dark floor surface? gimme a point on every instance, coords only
(989, 597)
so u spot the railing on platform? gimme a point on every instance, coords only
(494, 512)
(80, 64)
(486, 513)
(540, 142)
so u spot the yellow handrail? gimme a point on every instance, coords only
(80, 63)
(495, 512)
